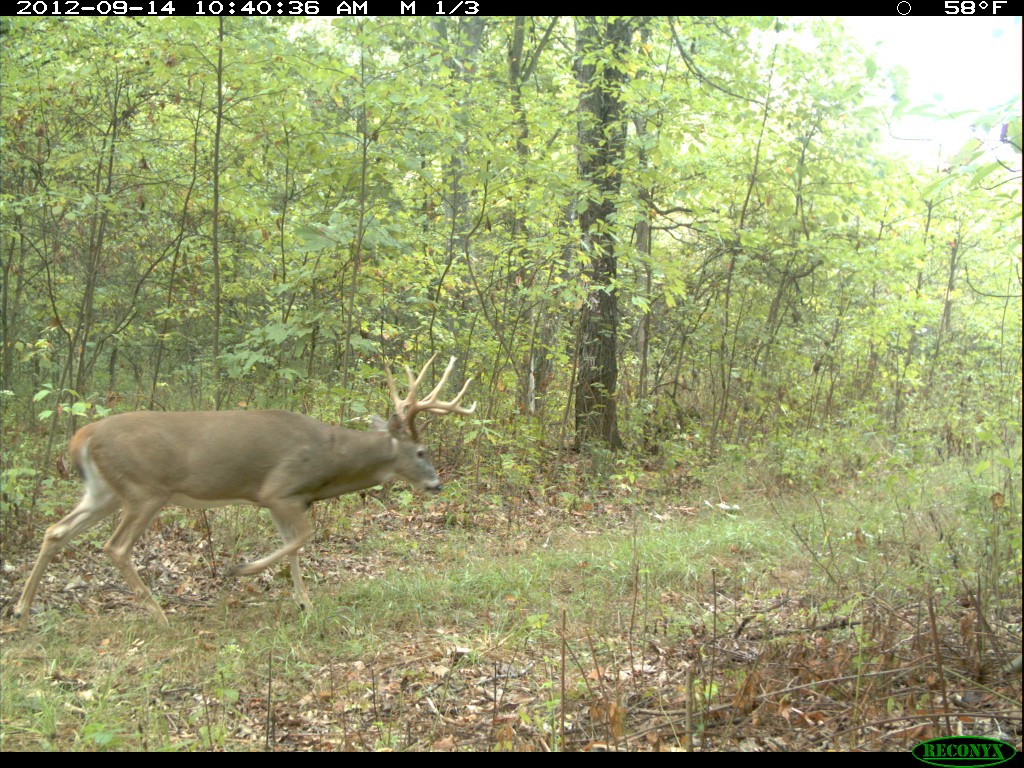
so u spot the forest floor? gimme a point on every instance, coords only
(624, 621)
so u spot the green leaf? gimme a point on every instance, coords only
(312, 239)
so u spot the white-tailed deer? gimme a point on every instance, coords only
(276, 459)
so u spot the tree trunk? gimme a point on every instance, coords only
(601, 46)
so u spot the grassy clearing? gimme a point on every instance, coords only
(637, 619)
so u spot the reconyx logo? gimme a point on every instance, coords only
(959, 751)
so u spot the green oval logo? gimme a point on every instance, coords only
(959, 751)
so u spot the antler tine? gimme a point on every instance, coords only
(444, 378)
(410, 399)
(414, 383)
(399, 403)
(409, 406)
(452, 406)
(430, 403)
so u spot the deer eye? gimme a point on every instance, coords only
(420, 453)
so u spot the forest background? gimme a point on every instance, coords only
(671, 253)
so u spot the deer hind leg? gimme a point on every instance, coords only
(293, 525)
(99, 502)
(135, 520)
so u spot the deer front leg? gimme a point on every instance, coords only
(293, 525)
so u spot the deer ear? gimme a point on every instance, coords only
(396, 426)
(377, 424)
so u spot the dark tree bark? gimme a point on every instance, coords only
(601, 47)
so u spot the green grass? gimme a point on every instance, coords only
(443, 628)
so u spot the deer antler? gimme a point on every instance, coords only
(409, 406)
